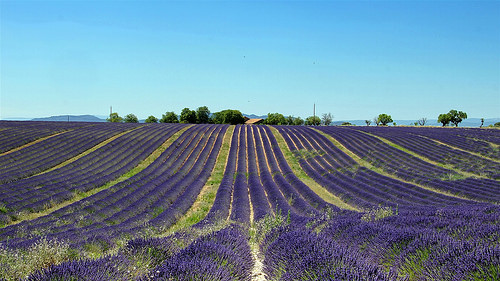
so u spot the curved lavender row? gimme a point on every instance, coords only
(241, 205)
(364, 187)
(120, 158)
(17, 133)
(53, 151)
(384, 156)
(171, 196)
(479, 189)
(437, 152)
(96, 208)
(344, 193)
(258, 197)
(222, 202)
(294, 197)
(471, 139)
(397, 188)
(35, 151)
(275, 196)
(202, 173)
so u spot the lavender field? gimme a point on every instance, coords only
(103, 201)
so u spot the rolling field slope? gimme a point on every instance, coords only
(101, 201)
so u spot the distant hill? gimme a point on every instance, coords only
(71, 118)
(253, 116)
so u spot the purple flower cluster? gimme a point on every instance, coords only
(296, 253)
(451, 243)
(222, 255)
(103, 269)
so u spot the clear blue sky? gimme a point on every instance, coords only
(410, 59)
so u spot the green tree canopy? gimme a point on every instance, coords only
(151, 119)
(228, 116)
(313, 121)
(444, 119)
(384, 119)
(114, 117)
(368, 122)
(169, 117)
(188, 116)
(130, 118)
(202, 115)
(457, 116)
(298, 121)
(275, 119)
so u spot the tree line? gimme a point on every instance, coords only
(202, 115)
(199, 116)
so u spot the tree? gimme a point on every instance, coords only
(347, 124)
(457, 116)
(169, 117)
(368, 122)
(202, 115)
(188, 116)
(376, 120)
(290, 120)
(313, 121)
(228, 116)
(114, 117)
(275, 119)
(151, 119)
(444, 119)
(422, 121)
(327, 118)
(384, 119)
(482, 123)
(298, 121)
(130, 118)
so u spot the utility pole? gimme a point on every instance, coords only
(314, 113)
(110, 110)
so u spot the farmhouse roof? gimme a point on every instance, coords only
(254, 121)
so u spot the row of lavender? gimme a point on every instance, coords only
(93, 170)
(482, 141)
(410, 168)
(150, 201)
(359, 186)
(17, 133)
(258, 180)
(450, 243)
(424, 142)
(50, 152)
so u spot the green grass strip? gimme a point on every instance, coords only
(206, 198)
